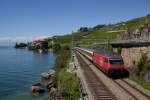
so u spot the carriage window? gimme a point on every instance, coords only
(115, 61)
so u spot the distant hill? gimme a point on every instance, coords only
(101, 33)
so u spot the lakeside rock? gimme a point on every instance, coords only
(45, 75)
(47, 84)
(51, 84)
(52, 72)
(37, 89)
(54, 95)
(48, 75)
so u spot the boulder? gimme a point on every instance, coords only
(48, 75)
(53, 90)
(45, 75)
(51, 72)
(37, 88)
(50, 85)
(37, 84)
(54, 95)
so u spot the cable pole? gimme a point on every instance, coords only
(107, 43)
(72, 46)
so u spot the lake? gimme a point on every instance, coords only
(19, 69)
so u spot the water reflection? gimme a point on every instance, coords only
(19, 69)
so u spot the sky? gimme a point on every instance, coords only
(25, 20)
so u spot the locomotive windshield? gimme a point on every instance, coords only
(115, 61)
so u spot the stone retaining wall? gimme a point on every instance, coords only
(132, 55)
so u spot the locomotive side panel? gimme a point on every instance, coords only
(109, 64)
(100, 61)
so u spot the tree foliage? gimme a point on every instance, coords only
(142, 66)
(67, 82)
(83, 29)
(99, 26)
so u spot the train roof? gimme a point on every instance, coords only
(107, 53)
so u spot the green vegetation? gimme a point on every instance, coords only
(94, 36)
(119, 50)
(43, 45)
(56, 47)
(142, 67)
(144, 84)
(68, 83)
(64, 39)
(88, 36)
(101, 33)
(131, 23)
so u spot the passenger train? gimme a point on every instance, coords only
(110, 63)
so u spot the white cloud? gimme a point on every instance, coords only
(20, 39)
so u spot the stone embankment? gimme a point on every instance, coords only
(132, 55)
(37, 89)
(140, 32)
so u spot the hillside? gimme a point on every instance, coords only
(101, 33)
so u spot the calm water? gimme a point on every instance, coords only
(19, 69)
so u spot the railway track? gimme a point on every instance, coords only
(98, 89)
(146, 95)
(130, 89)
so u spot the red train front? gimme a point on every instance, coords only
(110, 63)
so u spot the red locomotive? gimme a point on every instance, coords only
(110, 63)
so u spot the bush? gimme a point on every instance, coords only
(99, 26)
(138, 75)
(56, 47)
(142, 66)
(148, 15)
(62, 59)
(119, 50)
(83, 29)
(67, 83)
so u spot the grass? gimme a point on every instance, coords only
(142, 66)
(132, 23)
(137, 21)
(101, 34)
(96, 36)
(68, 83)
(140, 82)
(90, 37)
(64, 39)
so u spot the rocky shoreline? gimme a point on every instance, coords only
(47, 85)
